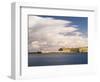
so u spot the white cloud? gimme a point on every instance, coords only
(43, 22)
(51, 34)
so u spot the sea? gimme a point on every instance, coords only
(57, 59)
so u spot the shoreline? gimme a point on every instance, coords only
(82, 53)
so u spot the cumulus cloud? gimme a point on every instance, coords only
(49, 34)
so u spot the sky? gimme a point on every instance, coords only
(49, 33)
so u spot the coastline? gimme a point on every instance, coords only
(83, 53)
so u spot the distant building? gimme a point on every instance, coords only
(64, 50)
(72, 50)
(69, 49)
(83, 49)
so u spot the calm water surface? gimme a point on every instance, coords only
(59, 59)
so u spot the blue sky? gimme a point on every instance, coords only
(79, 22)
(50, 33)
